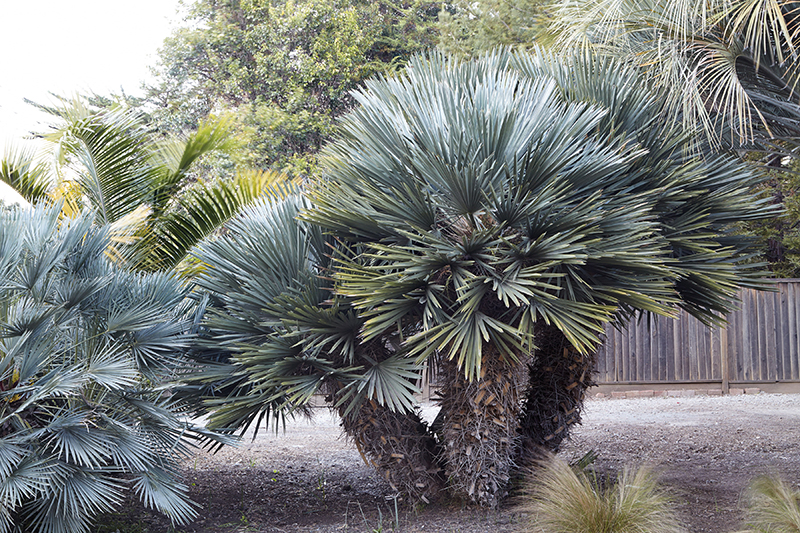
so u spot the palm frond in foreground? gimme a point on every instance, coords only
(84, 351)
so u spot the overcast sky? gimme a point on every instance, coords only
(69, 46)
(74, 46)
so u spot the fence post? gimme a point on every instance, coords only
(723, 356)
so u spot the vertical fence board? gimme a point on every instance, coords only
(782, 332)
(669, 349)
(761, 343)
(794, 324)
(771, 356)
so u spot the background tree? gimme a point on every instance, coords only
(85, 348)
(284, 68)
(471, 28)
(781, 235)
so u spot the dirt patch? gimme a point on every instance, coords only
(310, 479)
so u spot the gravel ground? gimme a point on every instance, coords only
(310, 479)
(706, 448)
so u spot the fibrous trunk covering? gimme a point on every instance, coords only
(478, 426)
(558, 378)
(399, 446)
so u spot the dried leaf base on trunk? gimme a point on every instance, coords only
(477, 425)
(558, 378)
(399, 446)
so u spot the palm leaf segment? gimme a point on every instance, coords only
(109, 162)
(276, 334)
(483, 197)
(730, 66)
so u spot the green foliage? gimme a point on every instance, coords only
(284, 67)
(557, 499)
(469, 28)
(85, 349)
(106, 160)
(774, 506)
(780, 236)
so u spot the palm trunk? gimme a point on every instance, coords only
(479, 422)
(559, 376)
(399, 446)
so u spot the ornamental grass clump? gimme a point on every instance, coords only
(560, 500)
(774, 506)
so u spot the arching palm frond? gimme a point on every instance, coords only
(200, 210)
(107, 161)
(30, 178)
(730, 67)
(109, 154)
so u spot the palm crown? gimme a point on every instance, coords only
(493, 195)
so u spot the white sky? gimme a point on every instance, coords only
(74, 46)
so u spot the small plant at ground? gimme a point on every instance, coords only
(560, 500)
(774, 506)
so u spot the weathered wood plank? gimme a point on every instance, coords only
(771, 355)
(794, 326)
(762, 343)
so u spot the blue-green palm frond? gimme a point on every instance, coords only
(81, 408)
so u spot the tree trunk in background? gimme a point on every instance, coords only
(477, 426)
(558, 378)
(399, 445)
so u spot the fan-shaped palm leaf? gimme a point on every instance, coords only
(83, 348)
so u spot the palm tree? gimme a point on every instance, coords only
(729, 66)
(106, 160)
(478, 220)
(85, 349)
(496, 206)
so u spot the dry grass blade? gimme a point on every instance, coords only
(774, 506)
(559, 500)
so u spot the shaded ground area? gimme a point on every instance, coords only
(310, 479)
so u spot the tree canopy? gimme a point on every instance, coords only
(284, 68)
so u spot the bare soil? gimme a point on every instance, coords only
(310, 479)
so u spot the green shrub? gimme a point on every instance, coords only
(558, 499)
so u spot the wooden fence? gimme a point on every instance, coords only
(759, 345)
